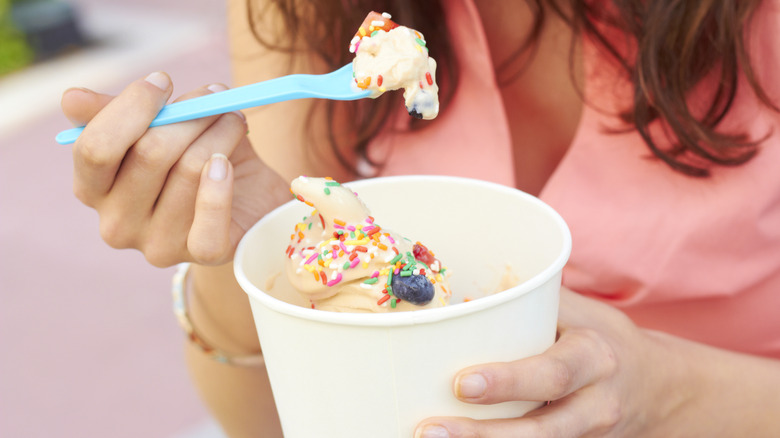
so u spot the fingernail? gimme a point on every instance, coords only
(218, 167)
(471, 386)
(81, 89)
(159, 80)
(216, 88)
(432, 431)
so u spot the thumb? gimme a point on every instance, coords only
(80, 104)
(209, 238)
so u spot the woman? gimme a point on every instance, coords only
(648, 125)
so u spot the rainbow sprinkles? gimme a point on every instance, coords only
(337, 257)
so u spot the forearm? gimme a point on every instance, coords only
(239, 397)
(720, 393)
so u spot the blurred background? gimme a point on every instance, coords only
(90, 347)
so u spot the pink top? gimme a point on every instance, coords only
(699, 258)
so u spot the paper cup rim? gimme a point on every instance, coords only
(411, 317)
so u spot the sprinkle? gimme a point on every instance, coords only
(371, 280)
(390, 238)
(311, 259)
(346, 265)
(335, 281)
(382, 246)
(362, 31)
(429, 78)
(364, 83)
(332, 184)
(379, 80)
(323, 278)
(316, 276)
(375, 274)
(395, 259)
(374, 231)
(370, 219)
(339, 222)
(354, 263)
(374, 33)
(327, 191)
(420, 42)
(393, 303)
(383, 300)
(378, 23)
(361, 248)
(386, 15)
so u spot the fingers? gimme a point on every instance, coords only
(145, 168)
(99, 150)
(80, 105)
(578, 415)
(175, 209)
(580, 357)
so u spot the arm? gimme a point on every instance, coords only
(182, 192)
(607, 377)
(240, 397)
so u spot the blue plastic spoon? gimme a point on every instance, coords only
(336, 85)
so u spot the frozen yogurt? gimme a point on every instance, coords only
(389, 57)
(342, 260)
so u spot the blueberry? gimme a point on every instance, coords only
(416, 289)
(414, 113)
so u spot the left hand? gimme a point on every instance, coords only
(605, 376)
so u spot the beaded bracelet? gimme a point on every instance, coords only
(179, 291)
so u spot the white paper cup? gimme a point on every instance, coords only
(347, 375)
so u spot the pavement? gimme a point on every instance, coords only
(90, 345)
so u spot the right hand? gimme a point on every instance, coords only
(168, 191)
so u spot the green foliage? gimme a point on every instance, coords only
(14, 51)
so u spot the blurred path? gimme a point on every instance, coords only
(90, 345)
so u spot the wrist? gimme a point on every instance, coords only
(716, 392)
(220, 310)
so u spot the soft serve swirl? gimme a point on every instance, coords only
(344, 261)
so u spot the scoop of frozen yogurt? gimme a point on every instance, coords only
(344, 261)
(389, 57)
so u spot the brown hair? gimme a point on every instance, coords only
(679, 42)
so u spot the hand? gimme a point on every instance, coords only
(170, 191)
(604, 376)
